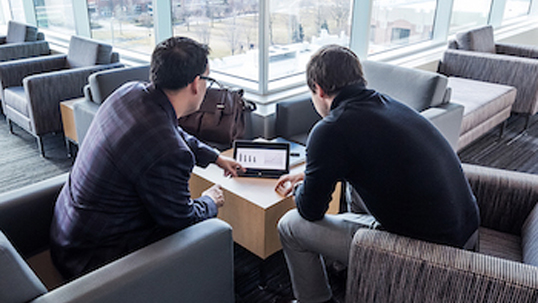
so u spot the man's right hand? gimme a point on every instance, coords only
(285, 184)
(215, 193)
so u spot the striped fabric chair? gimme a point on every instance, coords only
(33, 88)
(475, 55)
(385, 267)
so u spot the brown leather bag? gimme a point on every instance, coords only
(221, 118)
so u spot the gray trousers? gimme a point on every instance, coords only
(304, 242)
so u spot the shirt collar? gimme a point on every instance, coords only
(347, 92)
(160, 98)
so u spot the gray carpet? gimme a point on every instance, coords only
(516, 150)
(20, 162)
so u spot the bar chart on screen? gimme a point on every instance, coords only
(261, 158)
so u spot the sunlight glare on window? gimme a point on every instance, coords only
(55, 15)
(468, 14)
(124, 24)
(516, 8)
(397, 23)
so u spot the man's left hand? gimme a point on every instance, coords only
(229, 165)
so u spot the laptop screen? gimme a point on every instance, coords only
(262, 159)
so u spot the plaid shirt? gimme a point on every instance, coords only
(129, 184)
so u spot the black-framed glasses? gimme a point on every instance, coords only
(210, 81)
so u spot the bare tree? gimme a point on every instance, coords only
(231, 34)
(340, 12)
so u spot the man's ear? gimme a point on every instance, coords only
(319, 91)
(194, 85)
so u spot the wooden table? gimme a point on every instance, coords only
(68, 122)
(252, 206)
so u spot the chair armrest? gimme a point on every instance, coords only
(447, 118)
(13, 51)
(385, 267)
(26, 214)
(509, 70)
(45, 92)
(83, 113)
(519, 50)
(13, 72)
(505, 198)
(295, 117)
(192, 265)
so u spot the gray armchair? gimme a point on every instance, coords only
(475, 55)
(22, 41)
(427, 93)
(385, 267)
(32, 89)
(101, 85)
(192, 265)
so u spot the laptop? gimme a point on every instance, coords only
(262, 159)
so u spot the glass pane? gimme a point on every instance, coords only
(17, 11)
(516, 8)
(55, 15)
(397, 23)
(468, 14)
(299, 28)
(124, 24)
(230, 28)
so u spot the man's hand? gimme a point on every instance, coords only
(229, 165)
(285, 184)
(215, 193)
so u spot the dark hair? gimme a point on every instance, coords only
(176, 62)
(334, 67)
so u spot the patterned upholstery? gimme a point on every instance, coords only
(385, 267)
(101, 85)
(486, 105)
(529, 238)
(472, 56)
(19, 32)
(478, 40)
(22, 41)
(49, 80)
(85, 52)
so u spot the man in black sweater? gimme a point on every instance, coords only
(404, 170)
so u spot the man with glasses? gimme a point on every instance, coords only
(129, 184)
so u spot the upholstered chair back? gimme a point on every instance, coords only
(18, 283)
(19, 32)
(87, 52)
(426, 90)
(103, 83)
(479, 40)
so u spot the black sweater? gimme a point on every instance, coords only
(406, 172)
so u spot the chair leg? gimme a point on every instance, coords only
(502, 128)
(40, 146)
(527, 121)
(68, 147)
(10, 125)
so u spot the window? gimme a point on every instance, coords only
(230, 28)
(397, 23)
(17, 11)
(298, 28)
(124, 24)
(468, 14)
(516, 8)
(55, 15)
